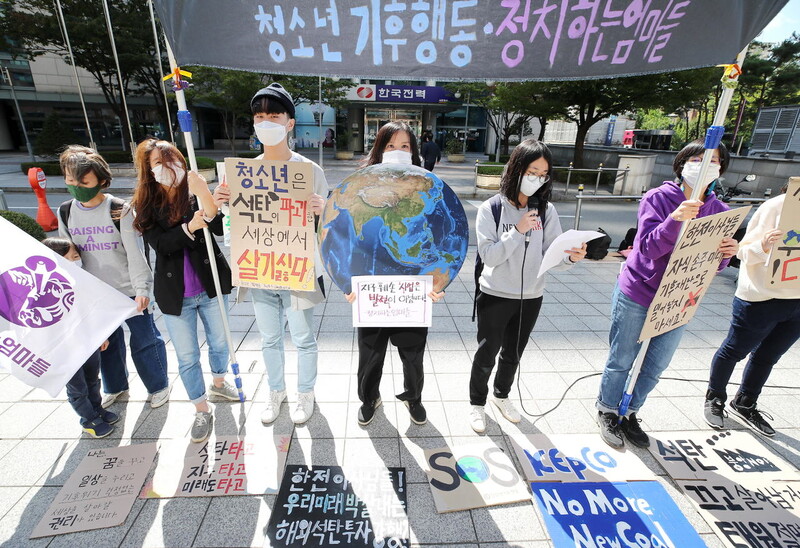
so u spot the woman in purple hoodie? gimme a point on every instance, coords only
(661, 213)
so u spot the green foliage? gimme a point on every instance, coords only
(343, 139)
(22, 221)
(453, 146)
(306, 89)
(652, 118)
(55, 135)
(204, 162)
(49, 168)
(491, 168)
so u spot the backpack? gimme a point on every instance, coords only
(497, 206)
(116, 211)
(627, 242)
(597, 249)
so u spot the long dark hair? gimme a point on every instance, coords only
(151, 199)
(526, 152)
(385, 135)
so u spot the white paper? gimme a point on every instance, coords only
(569, 239)
(392, 301)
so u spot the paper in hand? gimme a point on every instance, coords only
(567, 240)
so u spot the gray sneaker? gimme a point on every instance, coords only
(226, 391)
(160, 398)
(201, 429)
(108, 399)
(714, 413)
(610, 429)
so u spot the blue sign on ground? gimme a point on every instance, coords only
(620, 514)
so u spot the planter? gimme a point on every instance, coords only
(490, 182)
(456, 158)
(344, 154)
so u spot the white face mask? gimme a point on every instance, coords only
(270, 133)
(168, 177)
(691, 171)
(529, 184)
(78, 263)
(397, 157)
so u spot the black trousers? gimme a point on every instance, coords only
(430, 165)
(372, 344)
(498, 326)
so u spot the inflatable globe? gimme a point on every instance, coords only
(393, 219)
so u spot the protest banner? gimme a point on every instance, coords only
(472, 476)
(392, 301)
(272, 228)
(100, 492)
(323, 506)
(730, 454)
(690, 271)
(221, 465)
(756, 512)
(574, 458)
(784, 260)
(53, 314)
(462, 39)
(596, 515)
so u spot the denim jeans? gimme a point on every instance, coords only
(270, 308)
(767, 329)
(148, 352)
(183, 332)
(83, 390)
(627, 319)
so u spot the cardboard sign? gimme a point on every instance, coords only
(323, 506)
(472, 476)
(574, 459)
(100, 492)
(225, 465)
(784, 259)
(613, 514)
(731, 454)
(272, 227)
(691, 269)
(765, 514)
(392, 301)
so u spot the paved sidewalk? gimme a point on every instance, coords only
(41, 444)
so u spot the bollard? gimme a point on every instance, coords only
(625, 178)
(578, 199)
(597, 182)
(569, 174)
(44, 216)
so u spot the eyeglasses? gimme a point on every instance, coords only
(546, 178)
(696, 160)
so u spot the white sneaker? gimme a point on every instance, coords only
(477, 419)
(303, 408)
(161, 397)
(108, 399)
(507, 409)
(273, 406)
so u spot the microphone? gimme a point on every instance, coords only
(528, 234)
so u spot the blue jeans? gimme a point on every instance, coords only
(183, 332)
(270, 308)
(148, 352)
(767, 329)
(83, 390)
(627, 319)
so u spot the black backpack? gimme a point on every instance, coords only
(597, 249)
(628, 240)
(116, 211)
(497, 207)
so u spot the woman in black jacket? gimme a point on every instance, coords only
(172, 208)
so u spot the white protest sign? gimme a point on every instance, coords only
(567, 240)
(784, 259)
(690, 271)
(100, 492)
(574, 458)
(221, 465)
(472, 476)
(392, 301)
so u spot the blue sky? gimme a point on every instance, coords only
(781, 28)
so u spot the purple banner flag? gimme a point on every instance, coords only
(463, 39)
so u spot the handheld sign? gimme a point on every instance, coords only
(784, 260)
(392, 301)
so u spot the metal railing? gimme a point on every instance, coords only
(579, 198)
(599, 170)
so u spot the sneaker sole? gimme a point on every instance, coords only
(372, 418)
(218, 395)
(158, 404)
(637, 444)
(746, 423)
(476, 430)
(93, 434)
(505, 416)
(415, 421)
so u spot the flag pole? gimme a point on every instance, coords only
(185, 122)
(62, 25)
(730, 80)
(161, 71)
(119, 76)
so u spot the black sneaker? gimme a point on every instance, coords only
(753, 418)
(609, 429)
(367, 412)
(630, 427)
(417, 412)
(714, 413)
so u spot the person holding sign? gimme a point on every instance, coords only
(273, 117)
(766, 323)
(172, 208)
(511, 246)
(661, 213)
(395, 143)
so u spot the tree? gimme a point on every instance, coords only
(55, 135)
(652, 118)
(32, 27)
(305, 89)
